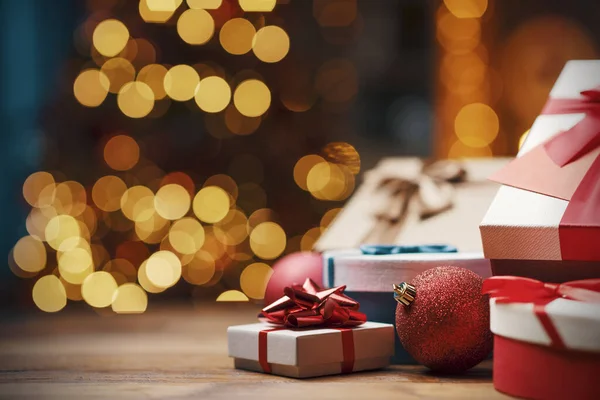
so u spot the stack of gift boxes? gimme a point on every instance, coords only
(534, 226)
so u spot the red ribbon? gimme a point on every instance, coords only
(513, 289)
(308, 305)
(583, 211)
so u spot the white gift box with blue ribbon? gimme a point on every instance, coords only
(370, 272)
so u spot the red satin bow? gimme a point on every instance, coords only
(514, 289)
(584, 137)
(309, 305)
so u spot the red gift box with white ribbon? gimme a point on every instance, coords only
(546, 337)
(544, 222)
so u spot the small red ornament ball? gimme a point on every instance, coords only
(447, 326)
(291, 269)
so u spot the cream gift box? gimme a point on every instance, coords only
(544, 222)
(546, 337)
(369, 278)
(304, 353)
(410, 202)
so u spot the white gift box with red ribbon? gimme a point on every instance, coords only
(548, 207)
(546, 337)
(304, 353)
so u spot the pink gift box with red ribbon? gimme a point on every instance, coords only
(546, 337)
(546, 214)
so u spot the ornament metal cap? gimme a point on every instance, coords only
(405, 293)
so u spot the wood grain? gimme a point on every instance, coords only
(178, 352)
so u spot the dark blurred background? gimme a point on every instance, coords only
(187, 145)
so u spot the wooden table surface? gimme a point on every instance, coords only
(178, 352)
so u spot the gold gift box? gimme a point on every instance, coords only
(407, 201)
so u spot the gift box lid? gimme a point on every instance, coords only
(302, 347)
(376, 273)
(468, 195)
(526, 219)
(563, 316)
(576, 323)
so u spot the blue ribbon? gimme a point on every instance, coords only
(381, 249)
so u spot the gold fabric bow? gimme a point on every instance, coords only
(427, 192)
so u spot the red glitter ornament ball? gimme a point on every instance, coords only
(447, 326)
(291, 269)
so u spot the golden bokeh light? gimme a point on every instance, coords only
(267, 240)
(336, 13)
(72, 197)
(467, 8)
(458, 35)
(49, 294)
(181, 179)
(119, 71)
(163, 269)
(226, 183)
(303, 166)
(196, 26)
(37, 220)
(240, 124)
(236, 36)
(135, 99)
(309, 239)
(145, 282)
(172, 201)
(211, 204)
(163, 5)
(165, 244)
(186, 236)
(181, 82)
(153, 229)
(213, 94)
(329, 181)
(258, 5)
(35, 185)
(200, 269)
(271, 44)
(231, 230)
(254, 279)
(73, 291)
(121, 152)
(137, 203)
(337, 80)
(260, 216)
(75, 264)
(123, 267)
(107, 193)
(98, 289)
(460, 150)
(153, 75)
(523, 138)
(61, 228)
(233, 296)
(91, 87)
(252, 98)
(29, 254)
(476, 125)
(154, 16)
(129, 298)
(329, 216)
(343, 153)
(110, 37)
(204, 4)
